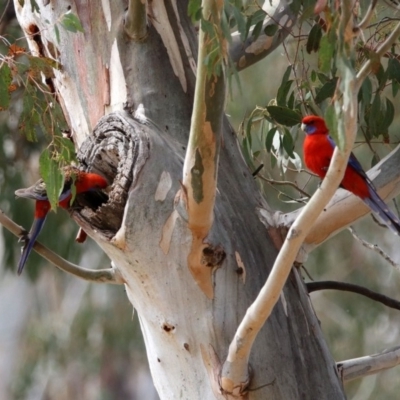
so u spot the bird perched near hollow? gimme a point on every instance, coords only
(84, 182)
(318, 150)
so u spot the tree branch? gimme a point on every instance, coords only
(350, 287)
(382, 49)
(287, 183)
(108, 275)
(251, 51)
(235, 369)
(135, 23)
(201, 161)
(368, 365)
(375, 248)
(367, 17)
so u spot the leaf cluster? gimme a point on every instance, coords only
(24, 78)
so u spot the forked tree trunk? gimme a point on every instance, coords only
(186, 330)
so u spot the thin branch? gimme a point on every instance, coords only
(368, 365)
(5, 11)
(108, 275)
(367, 17)
(201, 160)
(375, 248)
(135, 23)
(383, 48)
(200, 168)
(350, 287)
(287, 183)
(284, 197)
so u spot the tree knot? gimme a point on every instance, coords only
(117, 150)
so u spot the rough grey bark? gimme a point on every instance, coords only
(105, 71)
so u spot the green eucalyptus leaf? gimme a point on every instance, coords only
(257, 30)
(5, 81)
(326, 91)
(314, 38)
(71, 23)
(284, 115)
(366, 90)
(374, 115)
(269, 139)
(283, 92)
(325, 55)
(332, 123)
(395, 88)
(389, 114)
(393, 69)
(29, 118)
(288, 145)
(54, 179)
(194, 7)
(241, 22)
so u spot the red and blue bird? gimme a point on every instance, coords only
(84, 182)
(318, 151)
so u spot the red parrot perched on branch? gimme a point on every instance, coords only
(84, 182)
(318, 150)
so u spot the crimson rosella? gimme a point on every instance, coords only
(84, 182)
(318, 150)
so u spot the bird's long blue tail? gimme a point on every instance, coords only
(379, 207)
(30, 241)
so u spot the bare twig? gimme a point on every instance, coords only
(375, 248)
(383, 48)
(6, 9)
(350, 287)
(135, 23)
(368, 365)
(287, 183)
(108, 275)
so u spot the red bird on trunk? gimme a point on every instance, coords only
(84, 182)
(318, 151)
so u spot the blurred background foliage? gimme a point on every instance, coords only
(61, 338)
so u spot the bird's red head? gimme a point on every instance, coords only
(89, 181)
(312, 124)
